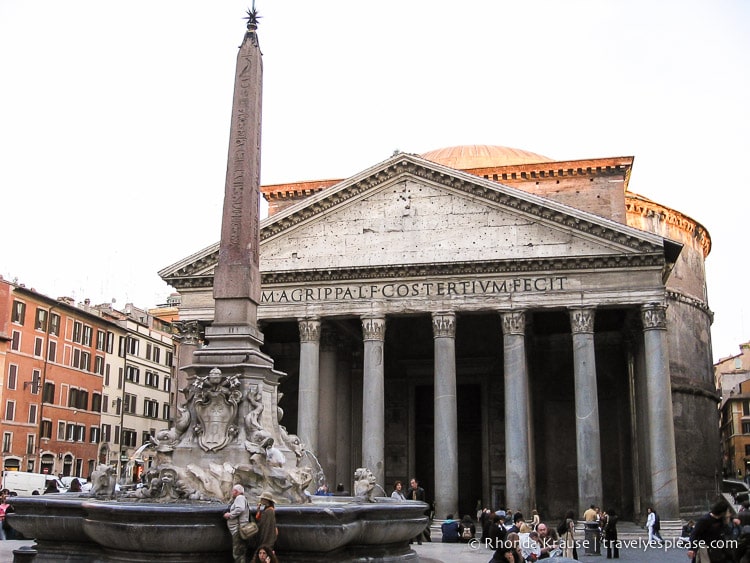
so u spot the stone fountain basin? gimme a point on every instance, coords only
(183, 530)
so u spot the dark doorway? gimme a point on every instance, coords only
(469, 444)
(469, 448)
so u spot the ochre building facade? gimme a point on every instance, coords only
(509, 329)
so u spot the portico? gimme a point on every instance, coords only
(496, 345)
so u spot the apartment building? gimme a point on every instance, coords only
(732, 375)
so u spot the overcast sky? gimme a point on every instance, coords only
(114, 116)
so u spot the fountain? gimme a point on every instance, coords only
(227, 428)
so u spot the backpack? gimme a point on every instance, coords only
(466, 533)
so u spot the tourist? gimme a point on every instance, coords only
(535, 519)
(549, 540)
(264, 554)
(590, 514)
(485, 520)
(531, 547)
(466, 529)
(610, 535)
(513, 540)
(4, 506)
(51, 487)
(497, 532)
(519, 524)
(265, 516)
(567, 531)
(505, 554)
(398, 492)
(450, 530)
(237, 515)
(416, 492)
(75, 486)
(323, 491)
(710, 530)
(653, 526)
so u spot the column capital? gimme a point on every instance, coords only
(373, 328)
(582, 320)
(654, 316)
(514, 322)
(189, 332)
(444, 325)
(309, 330)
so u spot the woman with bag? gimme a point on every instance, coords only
(237, 515)
(265, 516)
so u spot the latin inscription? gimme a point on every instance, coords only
(415, 289)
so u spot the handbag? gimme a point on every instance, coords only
(248, 530)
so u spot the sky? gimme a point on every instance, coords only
(114, 117)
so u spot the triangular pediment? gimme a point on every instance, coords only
(407, 212)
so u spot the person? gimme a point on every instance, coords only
(3, 508)
(535, 519)
(51, 487)
(450, 530)
(497, 532)
(590, 514)
(505, 554)
(687, 529)
(341, 491)
(466, 529)
(398, 492)
(709, 533)
(485, 519)
(610, 535)
(531, 547)
(513, 540)
(519, 524)
(265, 516)
(75, 486)
(237, 515)
(264, 554)
(568, 536)
(653, 526)
(323, 491)
(416, 492)
(6, 507)
(549, 540)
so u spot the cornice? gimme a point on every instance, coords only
(680, 297)
(511, 266)
(638, 205)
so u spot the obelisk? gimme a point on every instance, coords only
(237, 274)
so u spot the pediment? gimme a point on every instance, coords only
(409, 213)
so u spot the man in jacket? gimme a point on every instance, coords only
(235, 517)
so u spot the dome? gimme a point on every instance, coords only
(464, 157)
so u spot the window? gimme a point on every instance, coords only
(36, 378)
(167, 384)
(15, 343)
(165, 411)
(169, 358)
(122, 348)
(146, 437)
(40, 323)
(132, 344)
(30, 444)
(7, 441)
(101, 340)
(38, 347)
(118, 405)
(73, 397)
(133, 374)
(70, 432)
(110, 342)
(77, 332)
(130, 403)
(746, 427)
(80, 435)
(94, 434)
(117, 434)
(129, 437)
(150, 408)
(18, 315)
(119, 378)
(105, 403)
(85, 361)
(152, 379)
(60, 430)
(106, 375)
(49, 392)
(83, 400)
(148, 350)
(32, 414)
(96, 402)
(157, 354)
(10, 410)
(54, 325)
(12, 376)
(99, 365)
(51, 351)
(106, 432)
(46, 429)
(87, 334)
(76, 360)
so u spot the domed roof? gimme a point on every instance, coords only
(464, 157)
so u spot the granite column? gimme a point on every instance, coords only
(309, 383)
(373, 397)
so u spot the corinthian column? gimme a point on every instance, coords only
(517, 453)
(309, 383)
(588, 447)
(327, 408)
(373, 398)
(661, 445)
(446, 419)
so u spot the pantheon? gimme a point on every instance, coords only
(513, 330)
